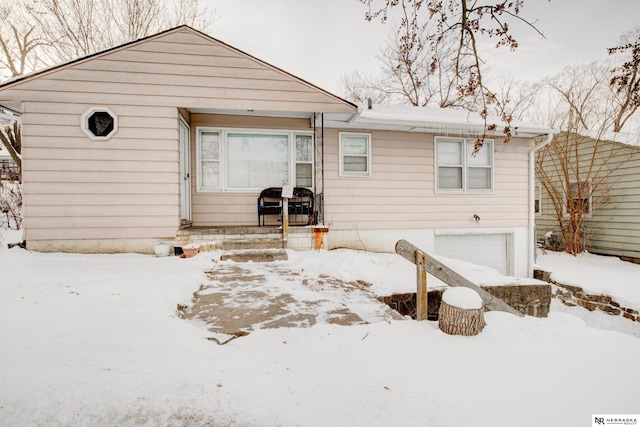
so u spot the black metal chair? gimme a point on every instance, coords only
(300, 205)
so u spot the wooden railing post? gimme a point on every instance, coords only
(421, 292)
(285, 222)
(450, 277)
(286, 194)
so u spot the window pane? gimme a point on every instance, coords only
(354, 145)
(354, 164)
(450, 178)
(479, 178)
(304, 175)
(482, 157)
(211, 174)
(585, 190)
(257, 161)
(304, 148)
(449, 153)
(210, 146)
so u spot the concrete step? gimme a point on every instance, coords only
(261, 255)
(246, 244)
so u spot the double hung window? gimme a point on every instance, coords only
(460, 168)
(304, 160)
(355, 154)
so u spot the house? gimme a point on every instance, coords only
(180, 131)
(612, 211)
(8, 168)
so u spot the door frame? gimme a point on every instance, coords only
(185, 170)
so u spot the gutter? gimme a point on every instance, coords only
(8, 118)
(532, 192)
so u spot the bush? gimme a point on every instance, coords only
(10, 205)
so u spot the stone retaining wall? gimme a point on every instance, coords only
(533, 300)
(573, 296)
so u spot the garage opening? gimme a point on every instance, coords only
(490, 250)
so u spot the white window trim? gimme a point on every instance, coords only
(567, 191)
(85, 123)
(223, 132)
(310, 162)
(351, 174)
(538, 186)
(464, 189)
(199, 187)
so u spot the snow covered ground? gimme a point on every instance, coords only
(95, 340)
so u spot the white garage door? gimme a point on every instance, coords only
(491, 250)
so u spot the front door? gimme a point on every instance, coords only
(185, 173)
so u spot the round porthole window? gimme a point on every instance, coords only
(99, 123)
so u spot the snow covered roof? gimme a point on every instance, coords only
(442, 121)
(627, 138)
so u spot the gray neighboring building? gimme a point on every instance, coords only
(612, 225)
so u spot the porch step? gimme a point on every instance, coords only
(264, 255)
(246, 244)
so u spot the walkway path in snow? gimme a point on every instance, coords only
(240, 297)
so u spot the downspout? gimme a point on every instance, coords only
(532, 196)
(322, 162)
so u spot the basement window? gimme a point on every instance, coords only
(99, 123)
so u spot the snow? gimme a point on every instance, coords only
(464, 298)
(627, 138)
(95, 340)
(389, 273)
(453, 118)
(596, 275)
(9, 236)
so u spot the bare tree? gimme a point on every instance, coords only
(514, 99)
(11, 138)
(19, 41)
(132, 19)
(46, 32)
(409, 76)
(626, 79)
(463, 21)
(359, 87)
(10, 179)
(577, 164)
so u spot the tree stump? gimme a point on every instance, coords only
(461, 312)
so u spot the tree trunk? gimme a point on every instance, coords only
(459, 321)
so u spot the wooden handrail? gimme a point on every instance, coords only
(450, 277)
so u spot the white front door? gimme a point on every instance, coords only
(185, 172)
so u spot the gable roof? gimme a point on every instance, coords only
(17, 81)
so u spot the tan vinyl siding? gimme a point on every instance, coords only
(129, 186)
(400, 193)
(76, 188)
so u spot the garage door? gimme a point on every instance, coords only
(491, 250)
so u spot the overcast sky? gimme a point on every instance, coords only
(320, 40)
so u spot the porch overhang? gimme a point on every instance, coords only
(339, 117)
